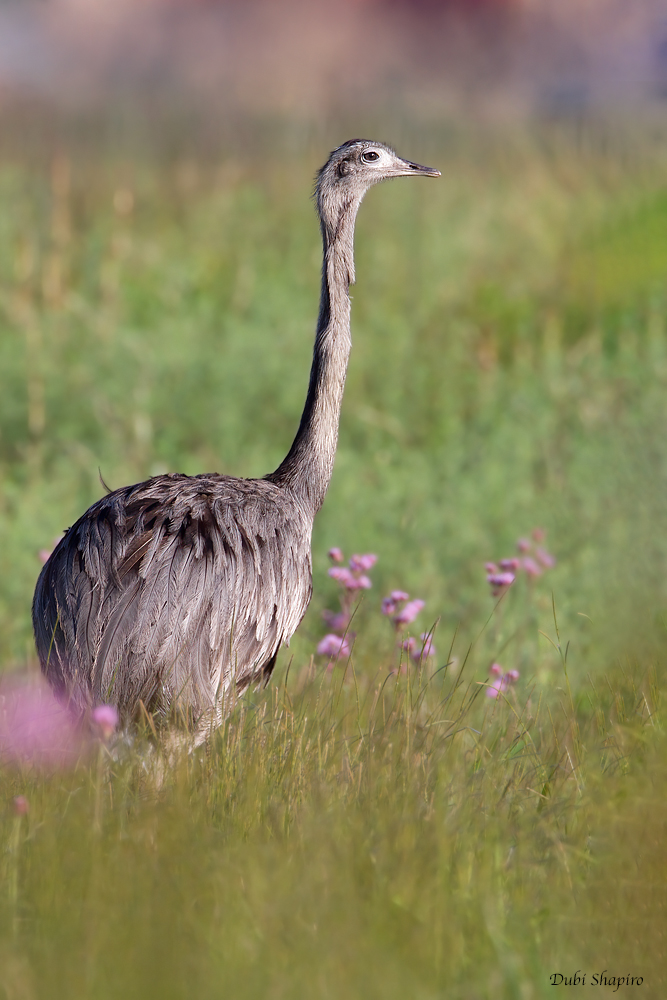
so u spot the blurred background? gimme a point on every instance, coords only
(217, 69)
(159, 262)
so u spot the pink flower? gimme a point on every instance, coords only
(399, 595)
(105, 718)
(43, 554)
(499, 582)
(408, 613)
(510, 564)
(502, 681)
(34, 727)
(531, 567)
(524, 544)
(547, 560)
(335, 555)
(345, 576)
(409, 645)
(426, 647)
(333, 646)
(361, 564)
(490, 567)
(21, 805)
(337, 621)
(389, 604)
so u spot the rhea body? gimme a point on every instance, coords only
(177, 593)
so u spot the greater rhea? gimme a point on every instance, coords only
(177, 593)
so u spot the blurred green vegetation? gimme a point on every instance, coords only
(509, 370)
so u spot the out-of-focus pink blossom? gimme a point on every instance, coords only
(43, 554)
(409, 645)
(399, 595)
(500, 582)
(336, 555)
(502, 680)
(337, 621)
(21, 805)
(347, 578)
(408, 613)
(389, 604)
(105, 718)
(539, 534)
(334, 646)
(34, 727)
(544, 557)
(362, 563)
(425, 648)
(530, 567)
(533, 561)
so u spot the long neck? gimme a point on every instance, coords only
(307, 468)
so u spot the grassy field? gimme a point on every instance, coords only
(361, 831)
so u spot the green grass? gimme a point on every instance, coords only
(358, 833)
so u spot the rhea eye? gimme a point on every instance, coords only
(369, 156)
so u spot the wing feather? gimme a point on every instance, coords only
(174, 591)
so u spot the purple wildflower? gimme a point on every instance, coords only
(399, 595)
(335, 554)
(419, 649)
(34, 727)
(502, 680)
(510, 564)
(361, 564)
(389, 604)
(530, 567)
(21, 805)
(343, 575)
(500, 582)
(426, 648)
(105, 718)
(490, 567)
(347, 578)
(524, 544)
(334, 646)
(337, 621)
(544, 557)
(408, 613)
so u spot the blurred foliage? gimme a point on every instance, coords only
(386, 838)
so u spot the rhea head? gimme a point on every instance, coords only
(351, 170)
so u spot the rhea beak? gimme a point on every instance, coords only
(406, 168)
